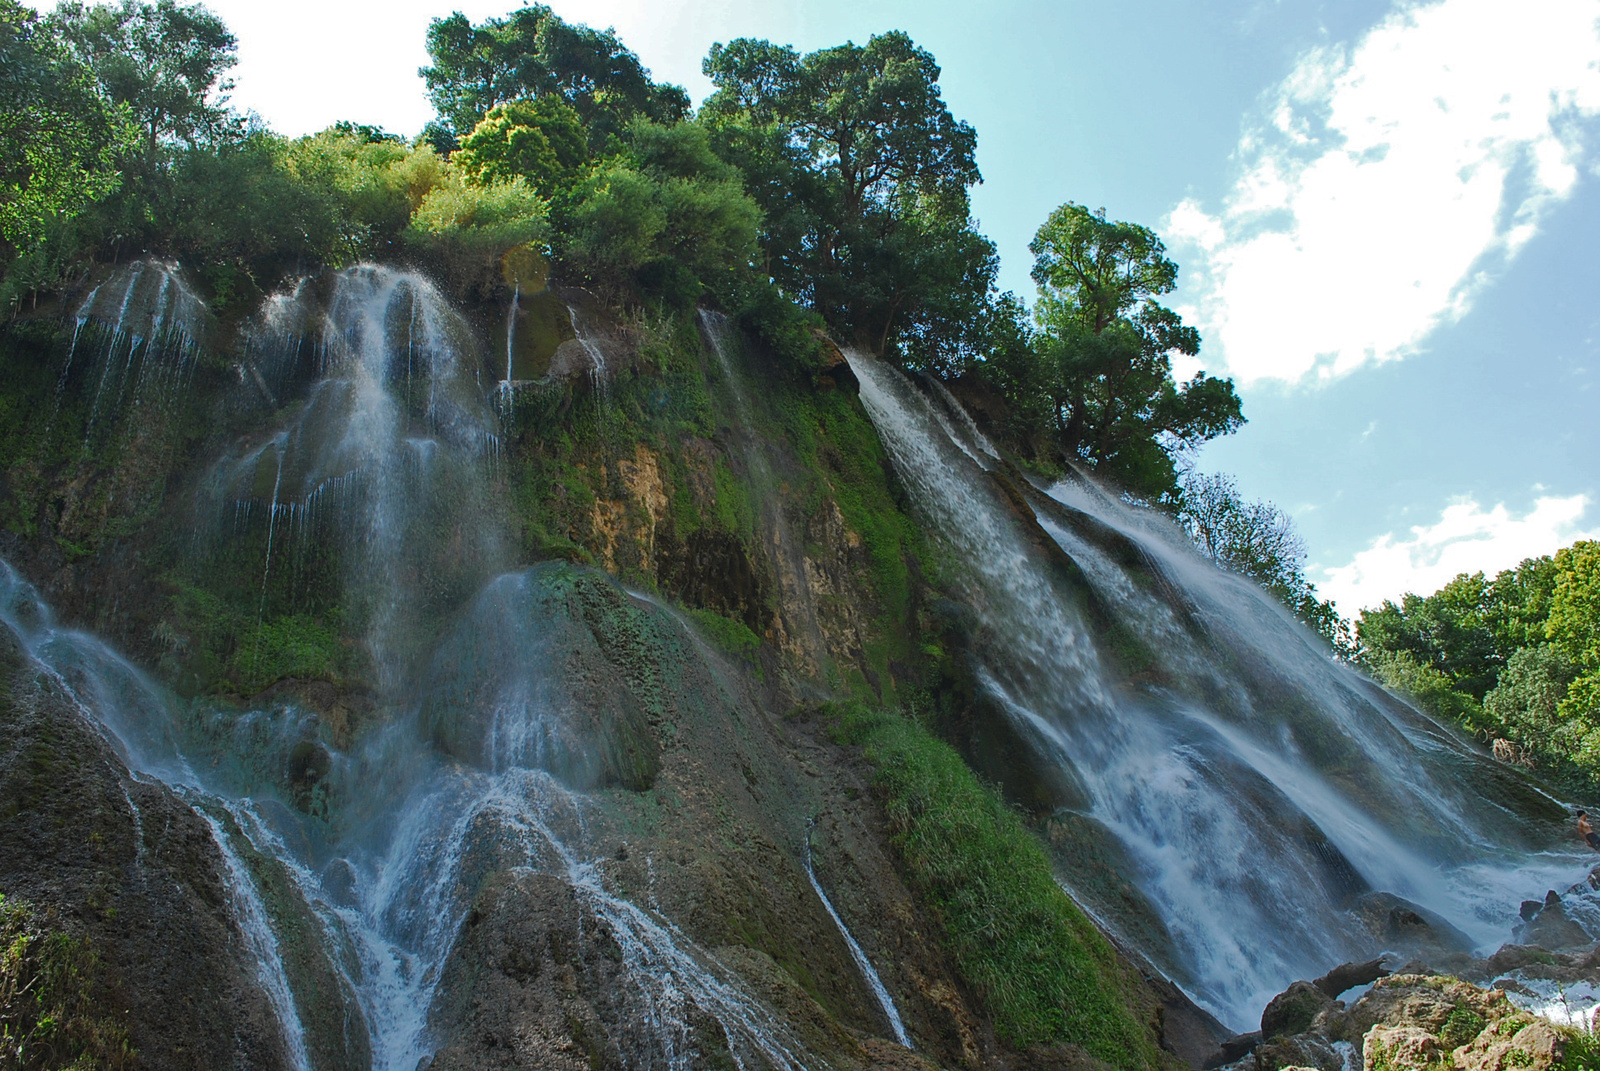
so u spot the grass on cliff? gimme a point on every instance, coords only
(1042, 970)
(49, 1018)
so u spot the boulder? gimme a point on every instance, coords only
(1390, 1048)
(1300, 1050)
(1293, 1010)
(1528, 1045)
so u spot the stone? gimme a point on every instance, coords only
(1398, 1048)
(1534, 1045)
(1293, 1010)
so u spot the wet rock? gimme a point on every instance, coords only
(1233, 1049)
(1347, 976)
(131, 870)
(1409, 929)
(1553, 928)
(1293, 1010)
(1300, 1050)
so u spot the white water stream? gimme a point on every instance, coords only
(1255, 788)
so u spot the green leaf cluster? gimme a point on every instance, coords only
(1094, 382)
(1516, 658)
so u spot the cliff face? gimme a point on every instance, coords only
(676, 545)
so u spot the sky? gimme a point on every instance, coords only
(1386, 215)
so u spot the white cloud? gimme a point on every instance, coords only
(1466, 539)
(1387, 181)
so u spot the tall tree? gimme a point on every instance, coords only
(167, 63)
(534, 53)
(1104, 352)
(863, 175)
(58, 136)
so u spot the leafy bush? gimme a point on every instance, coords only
(465, 225)
(1044, 972)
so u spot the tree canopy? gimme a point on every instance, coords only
(862, 174)
(59, 137)
(534, 53)
(167, 63)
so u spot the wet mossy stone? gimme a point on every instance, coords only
(553, 668)
(1293, 1010)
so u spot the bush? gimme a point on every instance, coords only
(466, 228)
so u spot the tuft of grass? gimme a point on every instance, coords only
(726, 633)
(1045, 974)
(49, 1018)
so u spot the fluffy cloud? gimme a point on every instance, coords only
(1466, 539)
(1388, 180)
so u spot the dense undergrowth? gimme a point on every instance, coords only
(1045, 974)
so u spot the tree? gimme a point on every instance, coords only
(1257, 540)
(1104, 347)
(666, 215)
(59, 137)
(1574, 625)
(542, 141)
(533, 53)
(862, 173)
(164, 62)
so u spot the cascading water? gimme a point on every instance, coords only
(139, 330)
(1255, 792)
(376, 479)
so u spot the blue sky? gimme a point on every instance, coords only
(1387, 216)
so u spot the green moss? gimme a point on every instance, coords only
(1042, 970)
(293, 646)
(1460, 1027)
(50, 1017)
(730, 635)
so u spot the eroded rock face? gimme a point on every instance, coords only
(126, 866)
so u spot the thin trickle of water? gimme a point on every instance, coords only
(1254, 786)
(863, 964)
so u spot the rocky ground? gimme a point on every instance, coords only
(1531, 1004)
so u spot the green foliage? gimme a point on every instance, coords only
(542, 141)
(862, 174)
(730, 635)
(663, 217)
(460, 221)
(163, 61)
(1043, 971)
(1100, 368)
(58, 136)
(533, 53)
(1574, 626)
(50, 1019)
(1512, 658)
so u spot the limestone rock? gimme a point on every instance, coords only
(1394, 1047)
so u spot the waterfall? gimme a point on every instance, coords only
(376, 480)
(1251, 788)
